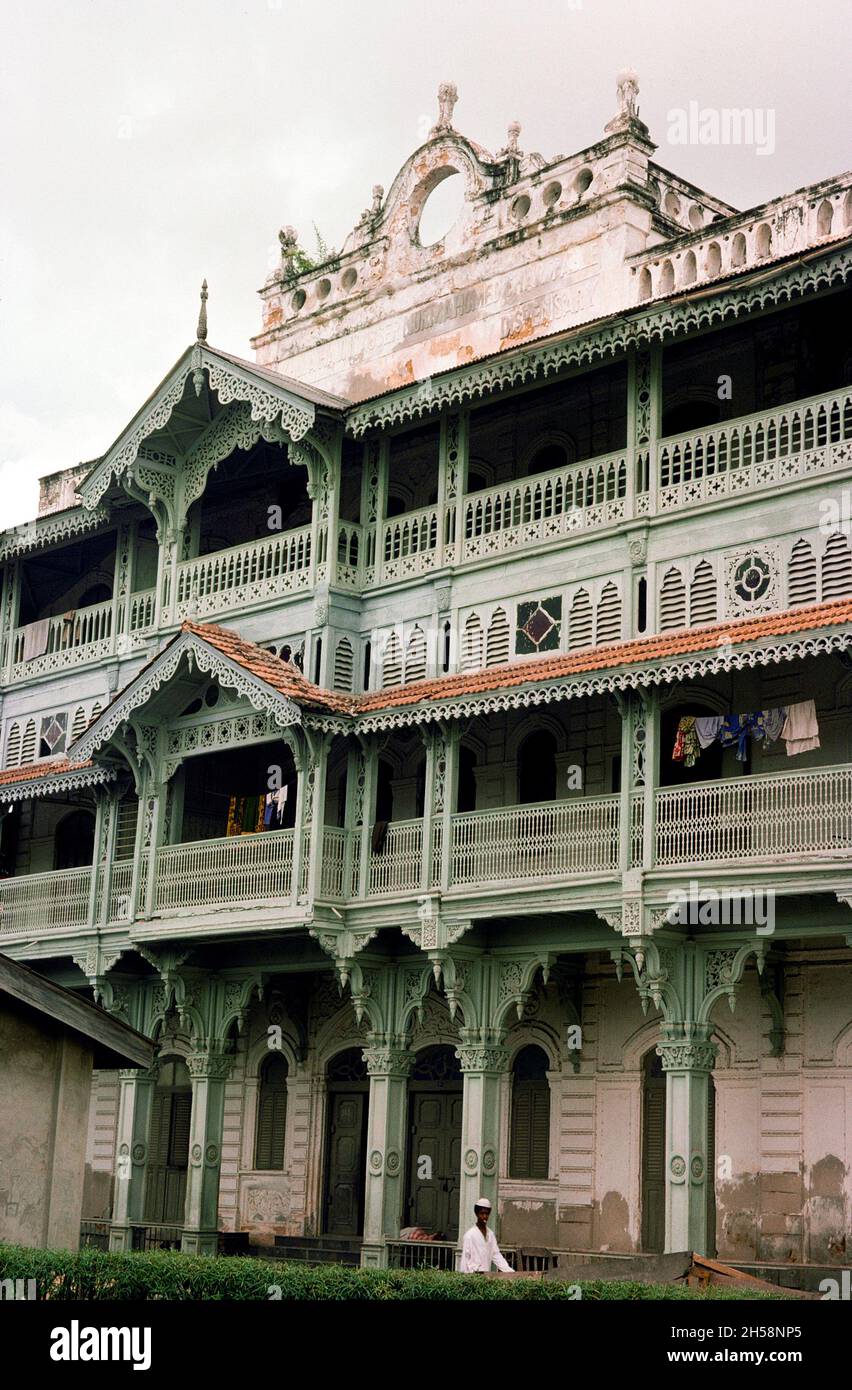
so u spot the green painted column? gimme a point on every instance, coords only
(136, 1100)
(687, 1063)
(388, 1068)
(209, 1071)
(483, 1066)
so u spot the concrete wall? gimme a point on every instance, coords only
(45, 1084)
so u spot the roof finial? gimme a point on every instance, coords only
(201, 330)
(447, 97)
(512, 149)
(627, 90)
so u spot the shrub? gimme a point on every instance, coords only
(96, 1275)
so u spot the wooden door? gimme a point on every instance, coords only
(653, 1155)
(346, 1159)
(435, 1161)
(169, 1155)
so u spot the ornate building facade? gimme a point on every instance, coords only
(339, 705)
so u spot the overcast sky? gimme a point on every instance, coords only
(148, 143)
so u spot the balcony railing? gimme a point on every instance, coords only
(244, 574)
(52, 644)
(396, 866)
(36, 902)
(577, 497)
(234, 871)
(755, 451)
(410, 544)
(778, 818)
(773, 815)
(546, 841)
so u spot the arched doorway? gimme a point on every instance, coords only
(653, 1153)
(165, 1191)
(537, 768)
(434, 1160)
(346, 1138)
(74, 840)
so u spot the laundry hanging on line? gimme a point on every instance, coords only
(796, 724)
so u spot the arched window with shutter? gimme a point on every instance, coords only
(271, 1113)
(529, 1149)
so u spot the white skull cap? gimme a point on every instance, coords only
(482, 1202)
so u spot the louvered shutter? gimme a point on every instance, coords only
(802, 574)
(655, 1133)
(415, 659)
(344, 662)
(580, 620)
(836, 567)
(497, 641)
(78, 723)
(28, 748)
(608, 623)
(271, 1116)
(181, 1117)
(472, 643)
(392, 663)
(702, 595)
(530, 1143)
(13, 746)
(673, 601)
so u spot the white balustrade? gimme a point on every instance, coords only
(777, 816)
(43, 902)
(409, 544)
(811, 217)
(333, 876)
(121, 885)
(396, 866)
(142, 609)
(759, 450)
(237, 870)
(350, 554)
(70, 638)
(576, 497)
(546, 841)
(243, 574)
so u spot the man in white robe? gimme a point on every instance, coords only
(480, 1249)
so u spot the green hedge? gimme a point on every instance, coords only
(93, 1274)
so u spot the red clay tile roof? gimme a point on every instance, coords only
(611, 655)
(283, 676)
(32, 772)
(290, 682)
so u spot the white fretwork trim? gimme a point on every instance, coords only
(187, 646)
(656, 323)
(576, 687)
(33, 535)
(266, 401)
(56, 782)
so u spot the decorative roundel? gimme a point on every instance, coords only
(212, 1153)
(678, 1166)
(375, 1161)
(196, 1153)
(489, 1161)
(138, 1152)
(752, 578)
(697, 1167)
(392, 1163)
(471, 1161)
(123, 1150)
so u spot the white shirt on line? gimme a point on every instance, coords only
(480, 1252)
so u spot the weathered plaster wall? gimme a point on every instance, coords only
(45, 1086)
